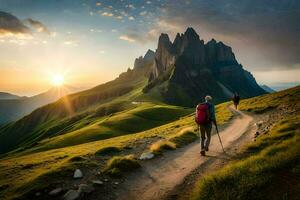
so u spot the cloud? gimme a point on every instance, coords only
(107, 14)
(38, 26)
(12, 26)
(267, 32)
(131, 18)
(70, 42)
(128, 38)
(143, 13)
(131, 6)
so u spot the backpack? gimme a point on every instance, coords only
(202, 113)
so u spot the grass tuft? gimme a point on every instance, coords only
(118, 165)
(162, 145)
(107, 151)
(185, 136)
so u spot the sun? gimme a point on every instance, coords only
(57, 80)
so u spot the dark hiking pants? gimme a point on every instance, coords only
(205, 135)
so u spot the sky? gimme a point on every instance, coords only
(92, 41)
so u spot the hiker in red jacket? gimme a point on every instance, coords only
(205, 116)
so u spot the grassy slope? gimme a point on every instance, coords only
(271, 101)
(20, 173)
(73, 111)
(143, 117)
(271, 167)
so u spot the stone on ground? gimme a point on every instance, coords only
(55, 191)
(97, 182)
(78, 173)
(72, 195)
(146, 156)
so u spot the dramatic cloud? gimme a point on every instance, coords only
(38, 26)
(12, 26)
(263, 29)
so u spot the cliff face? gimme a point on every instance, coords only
(194, 69)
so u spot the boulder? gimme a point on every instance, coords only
(146, 156)
(78, 173)
(97, 182)
(55, 192)
(72, 195)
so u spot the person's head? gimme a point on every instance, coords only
(208, 98)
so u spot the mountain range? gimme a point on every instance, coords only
(180, 73)
(267, 88)
(6, 95)
(13, 107)
(187, 69)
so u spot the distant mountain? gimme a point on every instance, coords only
(283, 86)
(12, 109)
(5, 95)
(186, 70)
(75, 110)
(267, 88)
(180, 72)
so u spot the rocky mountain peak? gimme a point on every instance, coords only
(218, 52)
(212, 42)
(164, 41)
(188, 61)
(146, 60)
(177, 38)
(149, 56)
(138, 62)
(191, 34)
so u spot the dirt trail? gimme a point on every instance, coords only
(159, 177)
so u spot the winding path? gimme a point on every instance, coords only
(159, 177)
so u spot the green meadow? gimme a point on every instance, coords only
(53, 160)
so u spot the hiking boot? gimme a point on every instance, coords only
(202, 153)
(206, 149)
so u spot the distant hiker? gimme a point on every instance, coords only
(236, 100)
(205, 116)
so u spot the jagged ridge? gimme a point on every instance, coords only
(193, 69)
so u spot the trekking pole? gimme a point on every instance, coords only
(220, 139)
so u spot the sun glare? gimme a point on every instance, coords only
(58, 80)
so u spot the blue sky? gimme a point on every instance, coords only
(91, 42)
